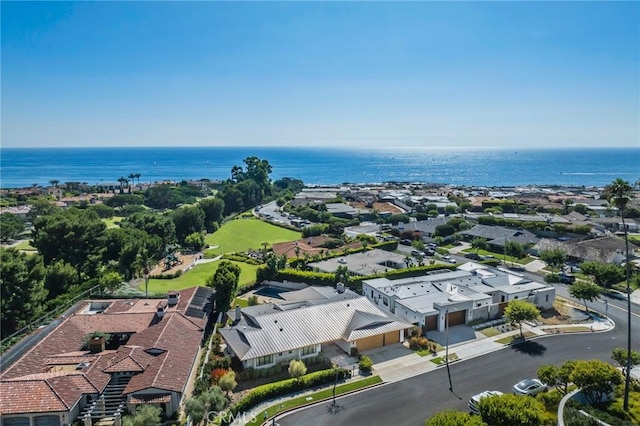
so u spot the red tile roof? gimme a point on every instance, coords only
(43, 393)
(179, 336)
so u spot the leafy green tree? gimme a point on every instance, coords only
(604, 274)
(194, 409)
(161, 197)
(596, 378)
(514, 249)
(22, 289)
(187, 220)
(213, 208)
(225, 282)
(60, 277)
(585, 291)
(102, 211)
(228, 382)
(342, 275)
(620, 356)
(110, 280)
(559, 377)
(121, 200)
(72, 236)
(454, 418)
(125, 247)
(445, 230)
(554, 257)
(194, 241)
(518, 311)
(41, 207)
(154, 224)
(509, 410)
(297, 369)
(479, 243)
(619, 192)
(11, 226)
(145, 415)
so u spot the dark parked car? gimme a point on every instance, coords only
(405, 242)
(473, 256)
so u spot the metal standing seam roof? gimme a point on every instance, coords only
(297, 328)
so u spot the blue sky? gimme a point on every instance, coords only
(430, 74)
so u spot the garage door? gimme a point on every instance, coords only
(431, 323)
(370, 342)
(391, 338)
(456, 318)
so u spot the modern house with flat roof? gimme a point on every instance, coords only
(107, 358)
(363, 263)
(472, 293)
(265, 335)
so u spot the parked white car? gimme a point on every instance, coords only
(529, 387)
(473, 402)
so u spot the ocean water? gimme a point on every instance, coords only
(583, 167)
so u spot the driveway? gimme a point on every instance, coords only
(457, 334)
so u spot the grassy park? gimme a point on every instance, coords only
(243, 234)
(198, 275)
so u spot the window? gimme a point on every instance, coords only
(385, 301)
(547, 298)
(502, 298)
(307, 350)
(290, 351)
(264, 360)
(372, 294)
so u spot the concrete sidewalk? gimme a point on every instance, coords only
(396, 362)
(413, 364)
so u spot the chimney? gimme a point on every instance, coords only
(161, 307)
(340, 287)
(172, 298)
(96, 344)
(238, 313)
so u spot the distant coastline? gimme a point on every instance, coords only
(23, 167)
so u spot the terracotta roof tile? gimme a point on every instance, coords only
(29, 396)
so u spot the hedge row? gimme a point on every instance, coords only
(416, 271)
(307, 277)
(166, 276)
(272, 390)
(240, 257)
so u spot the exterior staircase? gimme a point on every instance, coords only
(102, 411)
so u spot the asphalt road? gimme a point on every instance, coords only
(411, 401)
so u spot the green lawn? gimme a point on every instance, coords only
(242, 234)
(113, 221)
(25, 245)
(525, 260)
(315, 397)
(198, 276)
(441, 360)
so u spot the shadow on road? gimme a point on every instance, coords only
(530, 348)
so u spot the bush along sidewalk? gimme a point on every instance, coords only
(284, 387)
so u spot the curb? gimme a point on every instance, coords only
(270, 419)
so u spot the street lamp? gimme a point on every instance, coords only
(446, 351)
(606, 309)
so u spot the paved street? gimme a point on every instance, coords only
(411, 401)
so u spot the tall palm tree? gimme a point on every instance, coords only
(618, 193)
(138, 177)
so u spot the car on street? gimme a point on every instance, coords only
(473, 402)
(473, 256)
(449, 259)
(405, 242)
(566, 278)
(529, 387)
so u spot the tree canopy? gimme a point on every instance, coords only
(225, 283)
(604, 274)
(509, 410)
(596, 378)
(518, 311)
(554, 257)
(585, 291)
(454, 418)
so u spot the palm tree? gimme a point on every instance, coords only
(54, 182)
(132, 177)
(568, 202)
(137, 176)
(618, 193)
(122, 180)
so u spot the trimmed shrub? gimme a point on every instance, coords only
(272, 390)
(365, 365)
